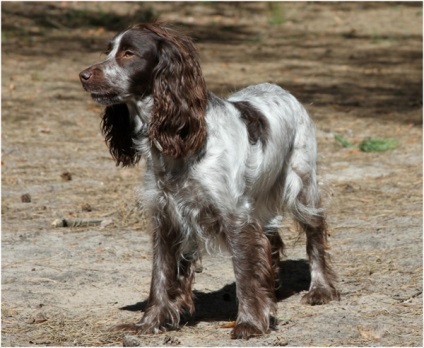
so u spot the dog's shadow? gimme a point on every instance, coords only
(221, 305)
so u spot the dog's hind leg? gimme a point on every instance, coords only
(277, 250)
(303, 200)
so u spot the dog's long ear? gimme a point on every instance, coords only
(118, 131)
(178, 126)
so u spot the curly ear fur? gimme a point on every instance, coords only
(116, 127)
(179, 94)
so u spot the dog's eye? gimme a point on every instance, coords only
(128, 54)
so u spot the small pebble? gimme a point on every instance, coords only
(86, 207)
(131, 341)
(26, 198)
(66, 176)
(280, 342)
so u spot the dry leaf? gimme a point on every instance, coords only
(228, 325)
(373, 333)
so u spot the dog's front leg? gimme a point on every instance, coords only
(252, 260)
(172, 277)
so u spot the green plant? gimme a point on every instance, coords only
(377, 144)
(276, 13)
(36, 76)
(342, 140)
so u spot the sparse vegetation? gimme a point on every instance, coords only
(343, 141)
(276, 13)
(367, 145)
(377, 145)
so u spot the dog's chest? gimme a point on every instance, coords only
(190, 208)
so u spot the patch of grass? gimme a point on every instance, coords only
(36, 76)
(276, 13)
(379, 38)
(343, 141)
(352, 34)
(377, 144)
(229, 27)
(6, 35)
(370, 144)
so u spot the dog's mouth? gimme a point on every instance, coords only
(105, 98)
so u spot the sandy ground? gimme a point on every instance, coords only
(357, 67)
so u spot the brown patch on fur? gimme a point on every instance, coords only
(256, 123)
(277, 249)
(179, 94)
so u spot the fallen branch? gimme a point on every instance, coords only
(77, 222)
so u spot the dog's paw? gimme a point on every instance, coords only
(140, 328)
(245, 330)
(320, 296)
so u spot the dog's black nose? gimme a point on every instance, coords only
(85, 75)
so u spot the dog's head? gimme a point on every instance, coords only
(153, 60)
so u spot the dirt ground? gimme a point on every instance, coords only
(357, 67)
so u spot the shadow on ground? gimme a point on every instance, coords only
(395, 91)
(221, 305)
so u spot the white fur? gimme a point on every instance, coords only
(252, 182)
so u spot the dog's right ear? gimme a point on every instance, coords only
(178, 123)
(118, 132)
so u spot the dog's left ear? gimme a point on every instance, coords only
(117, 129)
(178, 125)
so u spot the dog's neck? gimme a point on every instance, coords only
(140, 113)
(140, 110)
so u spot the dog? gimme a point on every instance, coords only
(218, 171)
